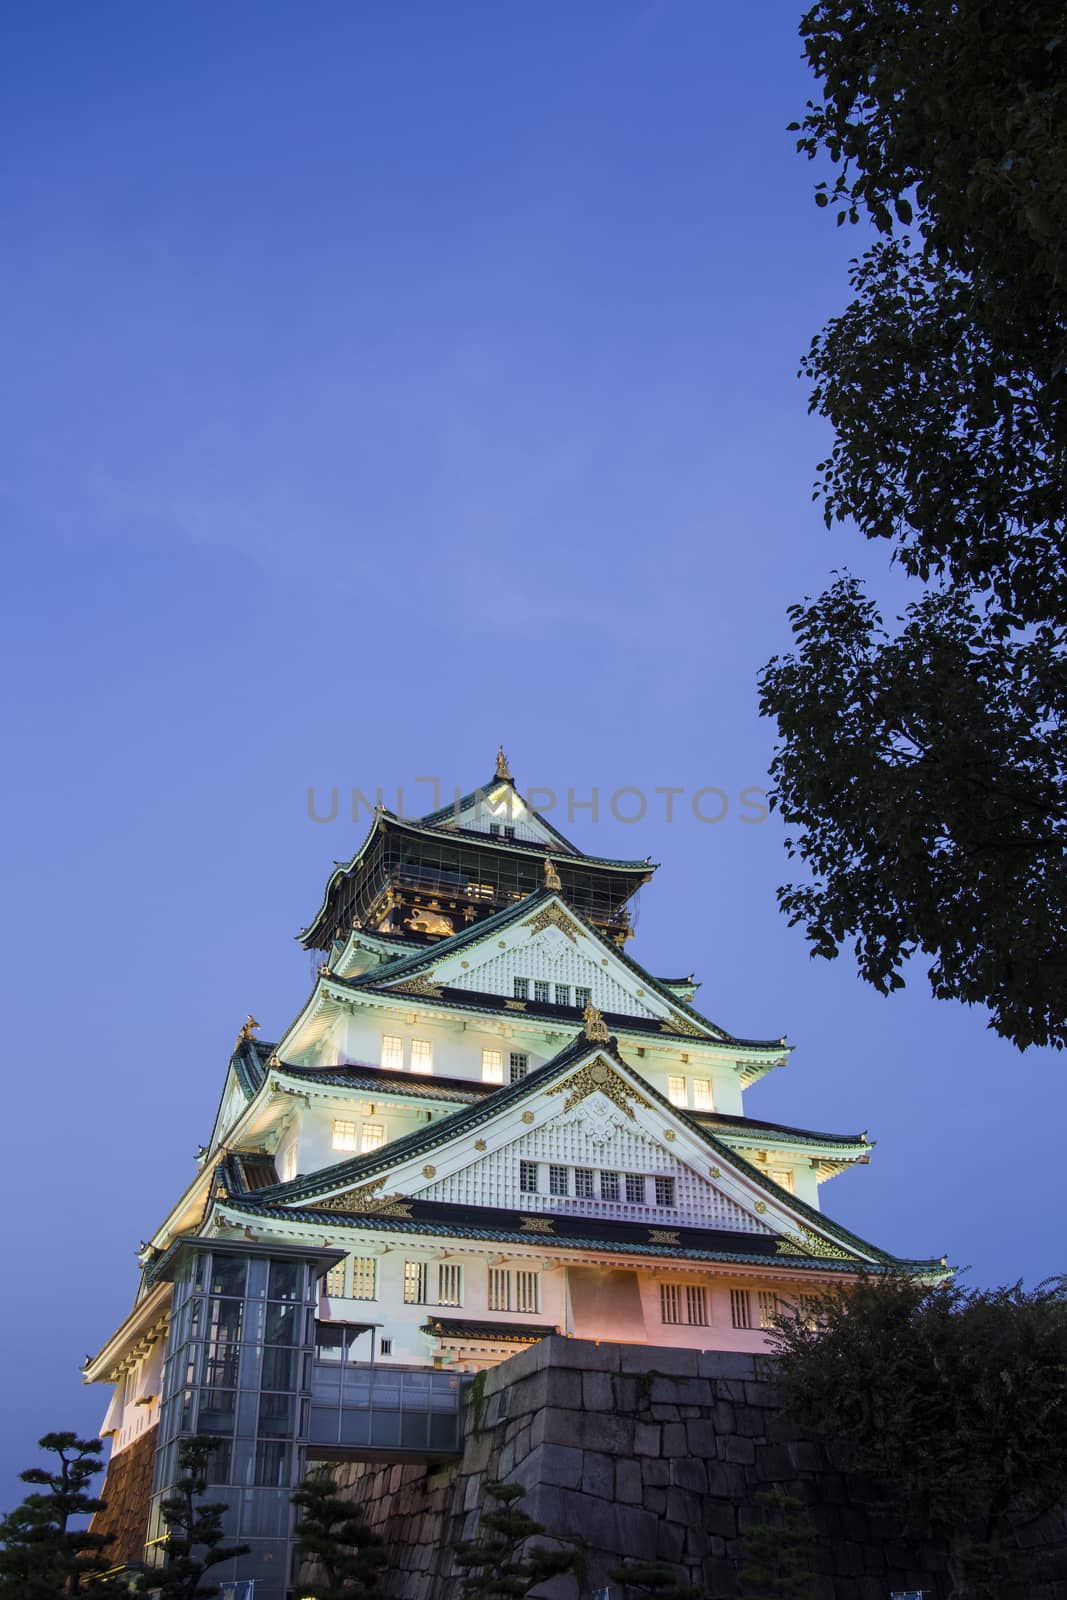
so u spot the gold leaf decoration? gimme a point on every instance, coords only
(807, 1243)
(527, 1117)
(761, 1206)
(663, 1236)
(429, 1172)
(479, 1144)
(367, 1201)
(536, 1224)
(553, 916)
(670, 1135)
(599, 1077)
(423, 984)
(714, 1172)
(676, 1024)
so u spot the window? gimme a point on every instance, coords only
(702, 1100)
(494, 829)
(449, 1286)
(492, 1066)
(635, 1189)
(364, 1278)
(520, 988)
(335, 1281)
(768, 1308)
(415, 1283)
(563, 994)
(540, 992)
(499, 1289)
(519, 1065)
(696, 1305)
(385, 1348)
(557, 1180)
(583, 1183)
(739, 1311)
(344, 1135)
(421, 1055)
(289, 1163)
(528, 1177)
(392, 1051)
(609, 1186)
(808, 1310)
(582, 997)
(676, 1091)
(670, 1302)
(783, 1176)
(528, 1292)
(373, 1136)
(665, 1191)
(509, 831)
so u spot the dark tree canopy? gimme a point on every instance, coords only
(503, 1562)
(195, 1538)
(954, 1400)
(334, 1536)
(922, 775)
(41, 1555)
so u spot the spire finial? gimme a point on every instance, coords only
(248, 1028)
(551, 875)
(595, 1026)
(502, 769)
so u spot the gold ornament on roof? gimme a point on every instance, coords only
(503, 771)
(248, 1028)
(367, 1201)
(598, 1077)
(595, 1026)
(552, 916)
(551, 875)
(423, 984)
(807, 1243)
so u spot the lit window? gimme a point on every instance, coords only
(499, 1289)
(696, 1305)
(609, 1186)
(557, 1180)
(528, 1177)
(392, 1051)
(635, 1189)
(563, 994)
(364, 1278)
(421, 1055)
(521, 988)
(809, 1310)
(492, 1066)
(768, 1308)
(528, 1292)
(676, 1091)
(415, 1283)
(665, 1191)
(540, 992)
(480, 891)
(449, 1286)
(583, 1183)
(344, 1135)
(739, 1310)
(335, 1281)
(582, 997)
(373, 1136)
(670, 1302)
(783, 1176)
(519, 1065)
(702, 1100)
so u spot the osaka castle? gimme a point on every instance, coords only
(489, 1122)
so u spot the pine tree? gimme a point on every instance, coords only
(42, 1556)
(652, 1578)
(496, 1565)
(193, 1526)
(778, 1551)
(333, 1534)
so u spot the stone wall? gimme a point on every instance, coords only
(126, 1495)
(651, 1453)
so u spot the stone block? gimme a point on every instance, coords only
(630, 1393)
(726, 1364)
(674, 1439)
(670, 1535)
(559, 1464)
(687, 1473)
(505, 1461)
(629, 1485)
(732, 1389)
(751, 1422)
(660, 1359)
(655, 1472)
(737, 1449)
(670, 1390)
(646, 1439)
(597, 1391)
(774, 1463)
(726, 1481)
(664, 1413)
(767, 1395)
(583, 1354)
(719, 1518)
(683, 1507)
(563, 1389)
(598, 1474)
(724, 1416)
(656, 1500)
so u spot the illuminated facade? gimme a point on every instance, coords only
(488, 1122)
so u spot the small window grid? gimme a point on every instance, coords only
(499, 1289)
(372, 1137)
(415, 1283)
(583, 1183)
(582, 997)
(520, 988)
(702, 1096)
(740, 1311)
(696, 1305)
(670, 1302)
(514, 1291)
(767, 1307)
(335, 1281)
(684, 1303)
(364, 1278)
(558, 1180)
(392, 1051)
(609, 1186)
(635, 1189)
(676, 1091)
(421, 1055)
(665, 1191)
(528, 1292)
(541, 992)
(449, 1285)
(528, 1177)
(518, 1065)
(345, 1135)
(492, 1066)
(563, 994)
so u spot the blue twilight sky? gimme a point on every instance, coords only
(382, 381)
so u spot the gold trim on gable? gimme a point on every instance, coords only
(599, 1077)
(553, 916)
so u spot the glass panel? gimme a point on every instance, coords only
(279, 1368)
(357, 1387)
(247, 1412)
(413, 1429)
(286, 1280)
(227, 1275)
(323, 1425)
(283, 1324)
(224, 1320)
(415, 1388)
(257, 1279)
(276, 1416)
(326, 1381)
(218, 1462)
(218, 1410)
(329, 1342)
(386, 1389)
(272, 1469)
(443, 1432)
(384, 1429)
(355, 1427)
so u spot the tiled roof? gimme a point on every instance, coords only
(723, 1122)
(496, 1332)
